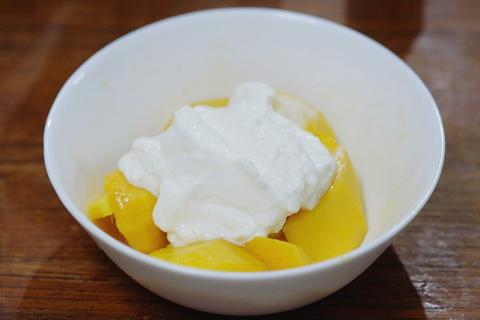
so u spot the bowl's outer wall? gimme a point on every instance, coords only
(250, 297)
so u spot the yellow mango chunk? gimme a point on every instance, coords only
(337, 224)
(100, 208)
(220, 102)
(132, 209)
(278, 254)
(320, 128)
(218, 255)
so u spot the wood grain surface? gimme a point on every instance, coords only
(51, 269)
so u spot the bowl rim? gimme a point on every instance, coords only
(363, 249)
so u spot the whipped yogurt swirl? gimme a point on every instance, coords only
(231, 173)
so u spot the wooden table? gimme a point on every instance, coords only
(51, 269)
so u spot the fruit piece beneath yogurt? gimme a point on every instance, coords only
(337, 224)
(319, 127)
(100, 208)
(306, 117)
(278, 254)
(132, 209)
(217, 255)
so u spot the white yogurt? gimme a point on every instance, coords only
(229, 173)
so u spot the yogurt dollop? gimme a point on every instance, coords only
(231, 173)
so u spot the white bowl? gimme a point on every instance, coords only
(380, 110)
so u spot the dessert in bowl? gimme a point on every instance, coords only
(380, 111)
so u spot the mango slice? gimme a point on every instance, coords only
(100, 208)
(218, 255)
(337, 224)
(320, 128)
(278, 254)
(132, 209)
(218, 103)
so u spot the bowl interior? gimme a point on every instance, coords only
(378, 108)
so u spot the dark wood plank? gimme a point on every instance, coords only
(49, 267)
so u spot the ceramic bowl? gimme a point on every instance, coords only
(380, 110)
